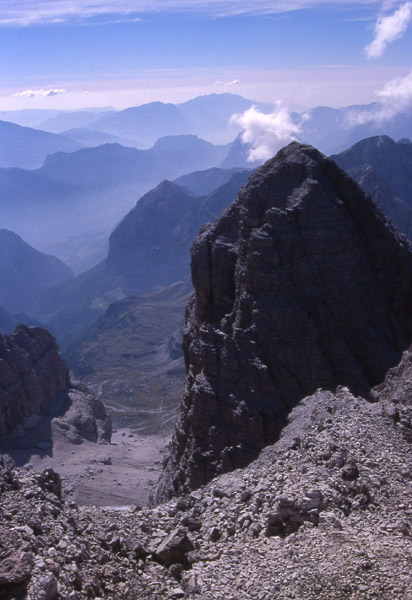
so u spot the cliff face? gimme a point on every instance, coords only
(301, 284)
(31, 374)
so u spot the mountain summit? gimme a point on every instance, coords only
(301, 284)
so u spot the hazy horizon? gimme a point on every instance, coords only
(83, 53)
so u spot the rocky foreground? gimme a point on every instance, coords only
(324, 513)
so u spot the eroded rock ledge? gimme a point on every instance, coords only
(302, 283)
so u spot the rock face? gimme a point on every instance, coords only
(34, 381)
(31, 374)
(302, 283)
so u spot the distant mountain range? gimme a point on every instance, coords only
(89, 138)
(208, 117)
(72, 119)
(87, 192)
(204, 182)
(332, 130)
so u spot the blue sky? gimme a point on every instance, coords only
(75, 53)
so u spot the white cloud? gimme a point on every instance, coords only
(395, 96)
(29, 12)
(266, 132)
(228, 83)
(36, 93)
(388, 29)
(398, 92)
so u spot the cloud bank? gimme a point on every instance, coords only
(388, 29)
(29, 12)
(37, 93)
(395, 97)
(266, 132)
(398, 92)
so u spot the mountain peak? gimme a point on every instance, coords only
(301, 284)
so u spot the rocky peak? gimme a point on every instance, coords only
(301, 284)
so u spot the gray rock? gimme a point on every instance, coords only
(16, 567)
(174, 548)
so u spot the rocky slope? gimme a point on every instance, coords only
(302, 283)
(132, 358)
(34, 380)
(324, 513)
(383, 168)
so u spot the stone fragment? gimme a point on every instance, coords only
(174, 548)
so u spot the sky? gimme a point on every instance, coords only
(70, 54)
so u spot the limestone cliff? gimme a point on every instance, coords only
(301, 284)
(34, 380)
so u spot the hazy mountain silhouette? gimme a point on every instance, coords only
(25, 272)
(27, 148)
(89, 191)
(147, 251)
(206, 116)
(72, 119)
(333, 130)
(204, 182)
(89, 138)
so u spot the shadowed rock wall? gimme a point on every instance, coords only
(31, 375)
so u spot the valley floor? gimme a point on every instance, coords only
(119, 475)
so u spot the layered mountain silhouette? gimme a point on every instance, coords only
(25, 273)
(89, 191)
(90, 139)
(384, 169)
(333, 130)
(27, 148)
(206, 116)
(72, 119)
(147, 251)
(302, 283)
